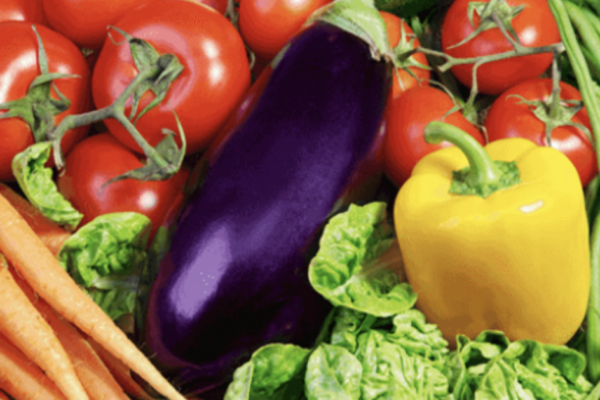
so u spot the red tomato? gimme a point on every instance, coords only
(99, 158)
(405, 80)
(219, 5)
(535, 26)
(267, 25)
(22, 10)
(216, 72)
(508, 119)
(19, 67)
(85, 22)
(404, 144)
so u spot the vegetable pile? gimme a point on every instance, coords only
(307, 199)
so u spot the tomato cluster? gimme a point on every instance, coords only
(213, 48)
(214, 78)
(522, 102)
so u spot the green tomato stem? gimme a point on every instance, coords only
(116, 111)
(483, 171)
(555, 106)
(516, 52)
(584, 80)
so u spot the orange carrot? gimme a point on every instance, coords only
(41, 270)
(121, 372)
(51, 234)
(21, 378)
(96, 379)
(23, 325)
(3, 395)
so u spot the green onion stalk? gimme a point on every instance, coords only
(568, 14)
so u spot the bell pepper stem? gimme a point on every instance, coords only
(483, 171)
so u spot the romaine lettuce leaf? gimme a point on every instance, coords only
(36, 183)
(275, 372)
(346, 270)
(106, 257)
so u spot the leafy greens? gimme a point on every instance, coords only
(378, 347)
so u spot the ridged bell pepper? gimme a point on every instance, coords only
(500, 244)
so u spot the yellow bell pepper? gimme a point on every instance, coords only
(513, 255)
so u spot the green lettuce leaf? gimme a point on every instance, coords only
(390, 373)
(275, 372)
(417, 337)
(36, 183)
(333, 373)
(106, 257)
(492, 368)
(346, 270)
(348, 324)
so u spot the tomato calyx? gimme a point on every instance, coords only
(495, 14)
(145, 58)
(157, 171)
(38, 108)
(403, 55)
(555, 113)
(156, 72)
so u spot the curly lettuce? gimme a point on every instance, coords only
(347, 271)
(35, 180)
(106, 256)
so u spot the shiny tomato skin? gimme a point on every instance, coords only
(267, 25)
(535, 26)
(508, 119)
(404, 80)
(219, 5)
(19, 67)
(85, 22)
(100, 158)
(215, 77)
(22, 10)
(406, 118)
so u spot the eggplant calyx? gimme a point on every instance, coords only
(361, 19)
(37, 108)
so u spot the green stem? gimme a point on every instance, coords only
(483, 171)
(593, 62)
(149, 151)
(555, 106)
(594, 4)
(517, 52)
(116, 111)
(592, 18)
(584, 80)
(589, 36)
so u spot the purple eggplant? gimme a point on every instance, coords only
(235, 277)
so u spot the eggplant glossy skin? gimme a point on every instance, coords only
(235, 277)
